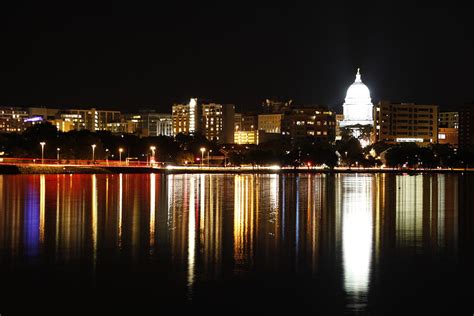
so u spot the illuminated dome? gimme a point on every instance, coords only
(358, 104)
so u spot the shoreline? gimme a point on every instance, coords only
(51, 169)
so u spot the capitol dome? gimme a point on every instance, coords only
(358, 104)
(358, 90)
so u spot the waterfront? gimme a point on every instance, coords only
(331, 243)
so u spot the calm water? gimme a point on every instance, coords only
(332, 244)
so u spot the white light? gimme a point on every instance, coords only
(275, 167)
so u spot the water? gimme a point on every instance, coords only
(328, 244)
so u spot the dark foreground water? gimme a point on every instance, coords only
(221, 244)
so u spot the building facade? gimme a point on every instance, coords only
(317, 122)
(12, 119)
(405, 122)
(466, 126)
(246, 137)
(270, 123)
(187, 117)
(95, 120)
(448, 119)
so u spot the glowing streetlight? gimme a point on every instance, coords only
(57, 153)
(202, 154)
(42, 151)
(153, 148)
(93, 152)
(120, 154)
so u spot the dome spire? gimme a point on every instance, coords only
(358, 76)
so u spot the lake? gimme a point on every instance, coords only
(324, 243)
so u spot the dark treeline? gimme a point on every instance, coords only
(184, 148)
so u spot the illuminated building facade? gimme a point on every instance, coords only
(270, 123)
(448, 119)
(218, 122)
(96, 120)
(12, 119)
(303, 122)
(149, 123)
(187, 117)
(448, 128)
(358, 104)
(246, 137)
(406, 122)
(249, 122)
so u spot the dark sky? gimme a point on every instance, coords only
(127, 56)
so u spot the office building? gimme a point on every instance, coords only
(309, 121)
(466, 126)
(270, 123)
(405, 122)
(12, 119)
(95, 120)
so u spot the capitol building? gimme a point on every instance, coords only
(358, 104)
(358, 109)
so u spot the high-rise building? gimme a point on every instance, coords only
(12, 119)
(150, 123)
(466, 126)
(95, 120)
(187, 117)
(214, 121)
(309, 121)
(249, 122)
(237, 121)
(448, 128)
(406, 122)
(270, 123)
(448, 119)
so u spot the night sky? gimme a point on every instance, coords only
(130, 56)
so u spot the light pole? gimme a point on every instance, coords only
(202, 155)
(42, 151)
(120, 154)
(208, 160)
(57, 153)
(93, 152)
(152, 148)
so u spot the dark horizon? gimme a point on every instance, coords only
(120, 57)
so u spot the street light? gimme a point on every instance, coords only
(152, 148)
(42, 151)
(208, 160)
(57, 151)
(93, 152)
(202, 155)
(120, 154)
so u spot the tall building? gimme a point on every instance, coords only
(12, 119)
(149, 123)
(214, 121)
(249, 122)
(187, 117)
(270, 123)
(448, 119)
(466, 126)
(237, 121)
(358, 105)
(95, 120)
(45, 113)
(448, 128)
(315, 121)
(406, 122)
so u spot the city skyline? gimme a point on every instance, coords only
(122, 57)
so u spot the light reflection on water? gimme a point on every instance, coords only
(207, 227)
